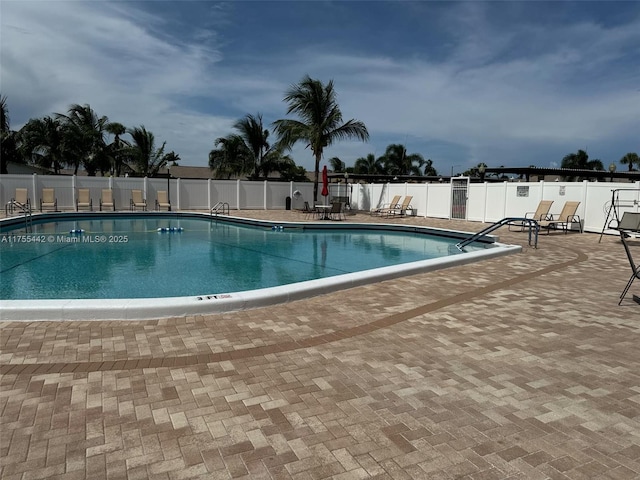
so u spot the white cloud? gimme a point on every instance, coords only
(501, 90)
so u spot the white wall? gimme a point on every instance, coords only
(487, 202)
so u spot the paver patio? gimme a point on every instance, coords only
(517, 367)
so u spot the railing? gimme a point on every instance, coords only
(25, 209)
(220, 207)
(531, 223)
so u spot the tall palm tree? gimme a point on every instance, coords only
(398, 162)
(630, 159)
(41, 142)
(255, 138)
(231, 158)
(368, 165)
(145, 158)
(320, 123)
(8, 138)
(84, 138)
(116, 147)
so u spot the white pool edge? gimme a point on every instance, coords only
(159, 308)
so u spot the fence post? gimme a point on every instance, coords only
(484, 207)
(34, 185)
(209, 194)
(504, 202)
(264, 196)
(238, 194)
(178, 194)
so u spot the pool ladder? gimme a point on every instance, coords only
(220, 207)
(26, 211)
(533, 226)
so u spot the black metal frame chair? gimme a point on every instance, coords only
(635, 269)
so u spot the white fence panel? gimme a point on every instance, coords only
(251, 195)
(276, 195)
(519, 198)
(224, 191)
(476, 204)
(9, 183)
(193, 194)
(599, 214)
(63, 191)
(306, 194)
(439, 200)
(488, 202)
(122, 187)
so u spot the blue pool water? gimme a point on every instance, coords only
(130, 258)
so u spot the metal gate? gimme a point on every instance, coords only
(459, 187)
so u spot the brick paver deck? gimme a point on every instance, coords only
(517, 367)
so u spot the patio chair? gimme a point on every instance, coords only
(564, 220)
(83, 200)
(20, 200)
(635, 269)
(541, 213)
(137, 201)
(386, 207)
(310, 212)
(401, 209)
(106, 200)
(48, 200)
(162, 201)
(337, 211)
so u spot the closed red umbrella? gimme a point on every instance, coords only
(325, 182)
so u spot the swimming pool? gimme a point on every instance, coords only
(154, 265)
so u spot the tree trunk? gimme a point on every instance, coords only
(317, 173)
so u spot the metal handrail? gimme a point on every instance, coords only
(530, 222)
(220, 207)
(25, 208)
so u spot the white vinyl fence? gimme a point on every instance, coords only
(485, 202)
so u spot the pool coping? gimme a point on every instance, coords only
(156, 308)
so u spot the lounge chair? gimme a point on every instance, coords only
(162, 201)
(21, 200)
(635, 269)
(137, 201)
(48, 200)
(541, 213)
(106, 200)
(564, 220)
(385, 208)
(83, 200)
(402, 208)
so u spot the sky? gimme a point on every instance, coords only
(506, 83)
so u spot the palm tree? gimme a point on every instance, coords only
(320, 123)
(429, 169)
(630, 159)
(145, 159)
(116, 147)
(41, 142)
(254, 136)
(398, 162)
(368, 165)
(171, 159)
(337, 165)
(580, 160)
(84, 138)
(8, 138)
(231, 158)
